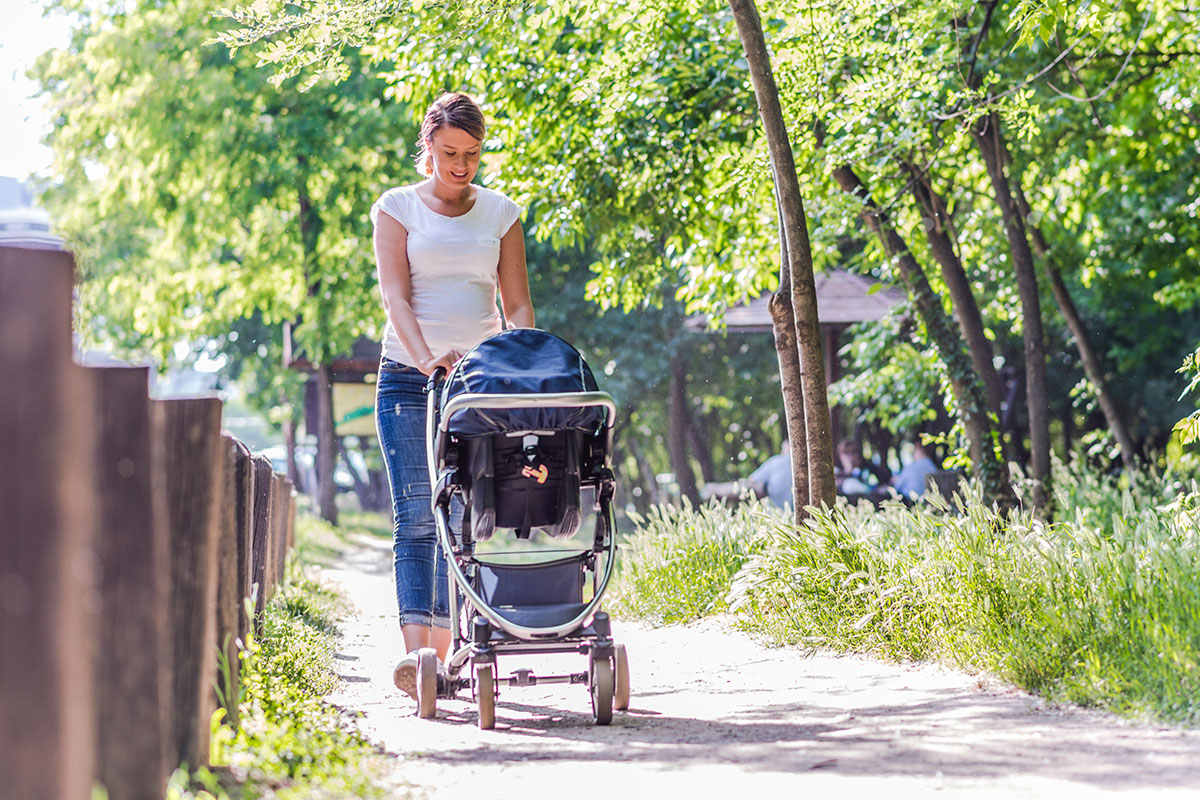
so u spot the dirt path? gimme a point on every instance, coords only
(714, 714)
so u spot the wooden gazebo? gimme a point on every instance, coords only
(843, 299)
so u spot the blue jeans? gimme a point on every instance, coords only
(420, 565)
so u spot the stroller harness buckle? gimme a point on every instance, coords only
(540, 474)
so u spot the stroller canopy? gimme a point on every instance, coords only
(521, 361)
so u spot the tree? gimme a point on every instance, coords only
(987, 135)
(796, 275)
(628, 130)
(221, 197)
(969, 393)
(544, 70)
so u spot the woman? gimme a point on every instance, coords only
(443, 248)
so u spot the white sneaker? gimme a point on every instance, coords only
(405, 675)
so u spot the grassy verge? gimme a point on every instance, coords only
(1100, 607)
(679, 564)
(289, 743)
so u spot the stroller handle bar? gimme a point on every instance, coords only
(438, 374)
(552, 400)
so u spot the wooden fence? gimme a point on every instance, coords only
(131, 530)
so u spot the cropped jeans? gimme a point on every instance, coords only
(422, 593)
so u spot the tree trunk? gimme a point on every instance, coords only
(362, 482)
(1092, 363)
(310, 230)
(644, 469)
(831, 340)
(677, 429)
(962, 298)
(982, 437)
(822, 487)
(783, 322)
(326, 447)
(289, 445)
(1068, 428)
(700, 444)
(986, 131)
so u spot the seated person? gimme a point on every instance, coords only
(910, 481)
(852, 478)
(773, 479)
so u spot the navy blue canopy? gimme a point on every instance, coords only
(521, 361)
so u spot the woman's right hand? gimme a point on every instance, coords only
(447, 360)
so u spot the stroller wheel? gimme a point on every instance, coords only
(602, 690)
(621, 693)
(426, 683)
(485, 695)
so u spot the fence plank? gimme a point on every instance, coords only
(132, 670)
(269, 569)
(48, 597)
(279, 523)
(291, 514)
(244, 504)
(262, 529)
(231, 583)
(194, 467)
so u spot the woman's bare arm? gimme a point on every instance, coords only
(514, 279)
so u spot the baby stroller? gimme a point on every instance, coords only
(518, 432)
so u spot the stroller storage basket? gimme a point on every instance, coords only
(544, 583)
(534, 595)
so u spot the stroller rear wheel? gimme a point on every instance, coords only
(621, 692)
(427, 663)
(485, 695)
(602, 689)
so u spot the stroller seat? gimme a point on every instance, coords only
(519, 467)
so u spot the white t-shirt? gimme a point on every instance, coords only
(453, 267)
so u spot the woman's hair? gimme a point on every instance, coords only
(453, 109)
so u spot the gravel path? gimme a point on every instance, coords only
(715, 713)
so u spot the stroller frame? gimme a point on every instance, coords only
(472, 662)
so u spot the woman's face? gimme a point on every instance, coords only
(454, 155)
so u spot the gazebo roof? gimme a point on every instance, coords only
(842, 298)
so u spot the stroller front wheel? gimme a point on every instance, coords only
(621, 694)
(427, 663)
(485, 695)
(602, 689)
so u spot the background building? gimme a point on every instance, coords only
(21, 223)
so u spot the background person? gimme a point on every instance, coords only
(773, 479)
(910, 481)
(853, 479)
(444, 247)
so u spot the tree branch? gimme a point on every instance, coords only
(972, 80)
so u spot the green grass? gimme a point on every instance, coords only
(679, 565)
(1100, 607)
(376, 523)
(289, 742)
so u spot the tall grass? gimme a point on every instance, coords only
(1100, 607)
(679, 565)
